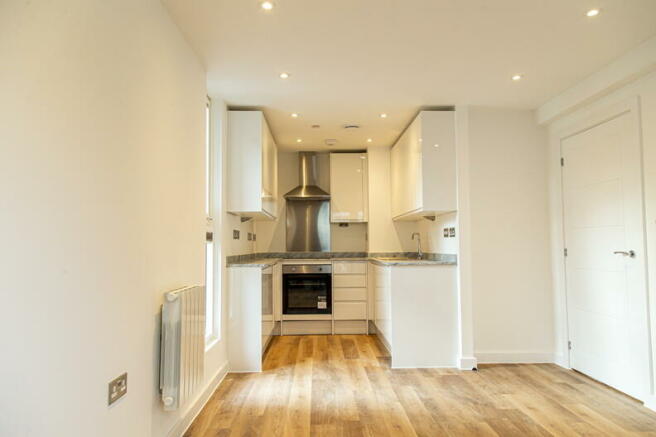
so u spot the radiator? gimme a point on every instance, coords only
(182, 344)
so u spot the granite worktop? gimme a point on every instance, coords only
(412, 262)
(257, 262)
(268, 259)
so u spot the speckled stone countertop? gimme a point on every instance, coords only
(260, 262)
(412, 262)
(264, 260)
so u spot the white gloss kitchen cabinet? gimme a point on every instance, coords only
(349, 200)
(252, 166)
(416, 311)
(251, 319)
(423, 167)
(350, 297)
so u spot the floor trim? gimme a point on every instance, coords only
(514, 357)
(190, 415)
(650, 402)
(467, 363)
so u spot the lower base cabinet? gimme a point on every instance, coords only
(250, 316)
(416, 314)
(350, 313)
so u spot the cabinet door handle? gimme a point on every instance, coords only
(630, 253)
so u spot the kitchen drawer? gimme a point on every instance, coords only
(349, 281)
(351, 326)
(349, 294)
(349, 267)
(350, 310)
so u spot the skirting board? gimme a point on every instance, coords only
(514, 357)
(185, 422)
(467, 363)
(561, 360)
(650, 402)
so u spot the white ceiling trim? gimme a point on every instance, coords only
(629, 67)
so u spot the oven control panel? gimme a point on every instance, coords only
(307, 268)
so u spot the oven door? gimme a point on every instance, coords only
(306, 293)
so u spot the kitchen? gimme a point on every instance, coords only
(326, 279)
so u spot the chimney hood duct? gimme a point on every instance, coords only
(307, 176)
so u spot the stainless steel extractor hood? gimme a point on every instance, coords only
(308, 210)
(307, 177)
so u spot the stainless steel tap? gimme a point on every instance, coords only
(420, 254)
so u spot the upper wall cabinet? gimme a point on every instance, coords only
(252, 166)
(349, 200)
(423, 166)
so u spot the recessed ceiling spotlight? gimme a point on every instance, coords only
(267, 6)
(592, 13)
(517, 77)
(383, 115)
(284, 75)
(436, 145)
(369, 140)
(294, 115)
(298, 140)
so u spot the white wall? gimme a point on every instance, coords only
(645, 90)
(510, 266)
(101, 210)
(432, 234)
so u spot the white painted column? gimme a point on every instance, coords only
(466, 358)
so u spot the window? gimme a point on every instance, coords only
(212, 278)
(209, 286)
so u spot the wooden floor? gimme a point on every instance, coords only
(343, 386)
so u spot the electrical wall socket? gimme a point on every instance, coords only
(250, 236)
(117, 389)
(235, 234)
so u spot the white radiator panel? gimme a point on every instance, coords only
(182, 354)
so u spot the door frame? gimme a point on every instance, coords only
(577, 125)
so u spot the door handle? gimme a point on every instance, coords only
(630, 253)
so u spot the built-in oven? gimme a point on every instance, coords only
(307, 289)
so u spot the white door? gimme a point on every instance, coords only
(606, 286)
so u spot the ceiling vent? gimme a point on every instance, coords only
(331, 142)
(351, 126)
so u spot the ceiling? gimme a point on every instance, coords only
(351, 60)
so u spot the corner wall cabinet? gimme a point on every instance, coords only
(349, 202)
(423, 167)
(252, 166)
